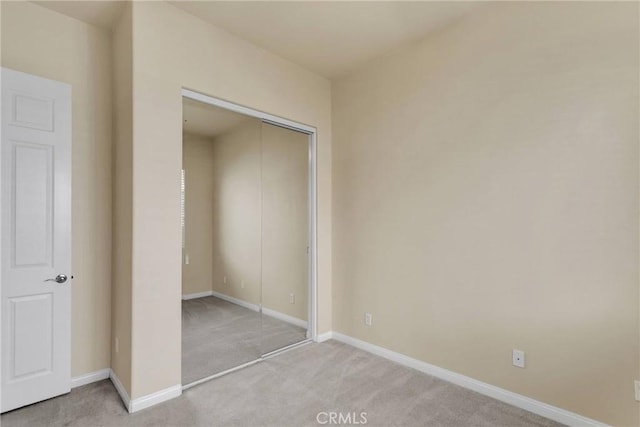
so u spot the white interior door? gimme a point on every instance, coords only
(36, 239)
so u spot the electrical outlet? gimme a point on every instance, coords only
(368, 319)
(242, 284)
(518, 358)
(117, 345)
(224, 280)
(637, 384)
(186, 259)
(292, 298)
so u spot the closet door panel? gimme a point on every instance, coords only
(285, 237)
(221, 273)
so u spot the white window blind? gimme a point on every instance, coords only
(182, 207)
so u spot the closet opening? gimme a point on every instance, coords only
(248, 219)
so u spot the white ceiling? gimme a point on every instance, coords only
(207, 120)
(96, 12)
(327, 37)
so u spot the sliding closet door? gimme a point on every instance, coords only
(245, 274)
(237, 241)
(221, 273)
(285, 237)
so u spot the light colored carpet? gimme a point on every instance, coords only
(290, 390)
(218, 335)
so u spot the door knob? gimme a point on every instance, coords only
(60, 278)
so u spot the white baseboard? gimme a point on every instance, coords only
(324, 337)
(515, 399)
(250, 306)
(155, 398)
(91, 377)
(144, 401)
(284, 317)
(121, 390)
(197, 295)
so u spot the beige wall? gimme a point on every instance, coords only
(38, 41)
(285, 225)
(123, 198)
(197, 162)
(485, 199)
(236, 212)
(214, 62)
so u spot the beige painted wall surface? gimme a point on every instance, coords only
(236, 212)
(38, 41)
(123, 198)
(285, 225)
(485, 199)
(199, 56)
(197, 161)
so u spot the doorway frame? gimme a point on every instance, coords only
(312, 324)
